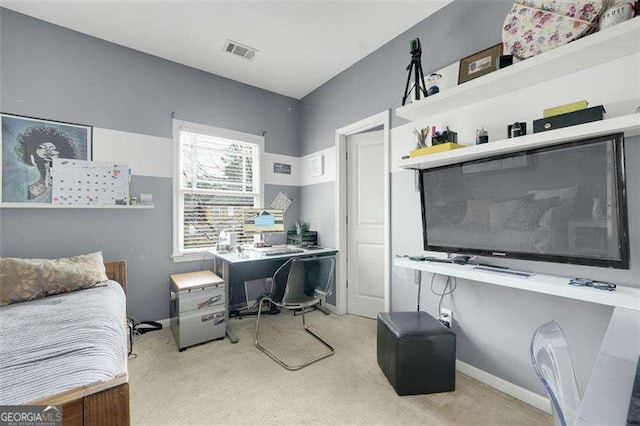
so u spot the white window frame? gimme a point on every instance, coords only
(178, 126)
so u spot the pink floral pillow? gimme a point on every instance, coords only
(535, 26)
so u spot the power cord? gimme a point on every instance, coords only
(450, 286)
(134, 335)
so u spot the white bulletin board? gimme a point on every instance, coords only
(87, 183)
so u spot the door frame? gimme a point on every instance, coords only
(381, 119)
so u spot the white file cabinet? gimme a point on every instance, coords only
(198, 308)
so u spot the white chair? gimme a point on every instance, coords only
(552, 363)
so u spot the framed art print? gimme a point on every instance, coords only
(315, 166)
(479, 64)
(28, 147)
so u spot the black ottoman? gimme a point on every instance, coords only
(416, 353)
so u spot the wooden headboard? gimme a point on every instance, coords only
(117, 271)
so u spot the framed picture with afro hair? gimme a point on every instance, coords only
(28, 147)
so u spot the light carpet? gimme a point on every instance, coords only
(224, 383)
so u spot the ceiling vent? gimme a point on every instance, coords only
(240, 50)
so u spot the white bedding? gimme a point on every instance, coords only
(61, 342)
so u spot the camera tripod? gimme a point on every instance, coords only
(415, 66)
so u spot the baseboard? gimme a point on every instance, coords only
(331, 307)
(166, 323)
(524, 395)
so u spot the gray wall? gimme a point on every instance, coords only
(142, 237)
(51, 72)
(493, 324)
(376, 83)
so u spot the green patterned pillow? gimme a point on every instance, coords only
(29, 279)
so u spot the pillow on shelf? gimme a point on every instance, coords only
(29, 279)
(532, 27)
(527, 216)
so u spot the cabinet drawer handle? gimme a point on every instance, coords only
(218, 317)
(209, 302)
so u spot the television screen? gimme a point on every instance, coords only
(565, 203)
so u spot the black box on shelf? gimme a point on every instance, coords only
(308, 238)
(569, 119)
(523, 130)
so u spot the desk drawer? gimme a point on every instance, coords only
(200, 299)
(201, 326)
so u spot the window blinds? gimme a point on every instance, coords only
(218, 179)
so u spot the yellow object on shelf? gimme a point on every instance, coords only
(564, 109)
(434, 149)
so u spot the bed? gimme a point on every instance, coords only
(70, 350)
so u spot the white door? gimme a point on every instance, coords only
(365, 224)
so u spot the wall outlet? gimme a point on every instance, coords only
(446, 317)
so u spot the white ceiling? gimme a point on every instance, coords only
(301, 44)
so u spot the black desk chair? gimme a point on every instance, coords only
(307, 282)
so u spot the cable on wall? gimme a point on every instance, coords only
(450, 286)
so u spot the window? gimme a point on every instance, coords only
(217, 176)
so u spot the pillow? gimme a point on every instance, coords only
(535, 26)
(477, 212)
(527, 216)
(501, 210)
(29, 279)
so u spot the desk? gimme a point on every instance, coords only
(606, 399)
(235, 269)
(624, 297)
(607, 396)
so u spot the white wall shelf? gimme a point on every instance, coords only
(56, 206)
(610, 44)
(628, 124)
(623, 296)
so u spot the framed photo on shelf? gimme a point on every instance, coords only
(479, 64)
(27, 148)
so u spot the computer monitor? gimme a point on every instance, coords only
(263, 220)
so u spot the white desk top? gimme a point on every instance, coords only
(252, 256)
(606, 399)
(623, 296)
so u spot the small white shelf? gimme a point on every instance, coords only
(57, 206)
(608, 45)
(623, 296)
(627, 124)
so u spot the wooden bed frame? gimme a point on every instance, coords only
(101, 403)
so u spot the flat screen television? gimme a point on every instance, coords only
(565, 203)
